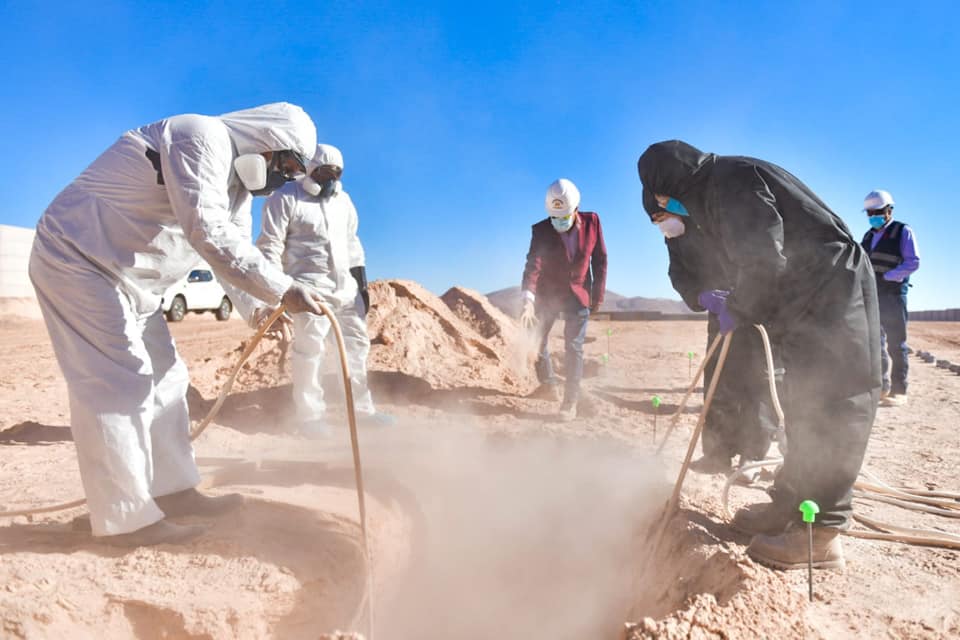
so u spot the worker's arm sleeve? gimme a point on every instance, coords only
(355, 251)
(682, 275)
(911, 257)
(752, 235)
(532, 270)
(243, 302)
(196, 171)
(598, 264)
(274, 222)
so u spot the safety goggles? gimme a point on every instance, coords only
(290, 163)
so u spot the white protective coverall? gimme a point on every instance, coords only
(315, 239)
(106, 249)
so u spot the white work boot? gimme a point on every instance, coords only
(316, 429)
(568, 412)
(894, 400)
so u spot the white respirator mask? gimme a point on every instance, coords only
(671, 227)
(327, 189)
(251, 168)
(259, 178)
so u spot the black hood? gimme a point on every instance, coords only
(671, 168)
(650, 203)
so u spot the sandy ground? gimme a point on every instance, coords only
(488, 519)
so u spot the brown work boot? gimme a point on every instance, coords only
(790, 549)
(546, 391)
(193, 503)
(161, 532)
(761, 519)
(711, 464)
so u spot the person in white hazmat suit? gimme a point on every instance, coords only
(310, 229)
(132, 224)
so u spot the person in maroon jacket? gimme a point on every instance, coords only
(566, 275)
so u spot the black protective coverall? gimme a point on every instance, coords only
(741, 420)
(800, 273)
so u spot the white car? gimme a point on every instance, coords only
(198, 292)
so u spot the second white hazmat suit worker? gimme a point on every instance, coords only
(310, 229)
(133, 223)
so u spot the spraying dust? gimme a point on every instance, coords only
(509, 537)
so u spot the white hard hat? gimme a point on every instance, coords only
(326, 155)
(878, 199)
(562, 199)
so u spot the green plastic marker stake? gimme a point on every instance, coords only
(655, 401)
(690, 355)
(809, 509)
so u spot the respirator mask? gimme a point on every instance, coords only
(262, 179)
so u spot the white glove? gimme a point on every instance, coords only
(282, 328)
(299, 298)
(528, 317)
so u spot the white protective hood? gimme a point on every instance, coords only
(272, 127)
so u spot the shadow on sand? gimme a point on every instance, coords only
(34, 433)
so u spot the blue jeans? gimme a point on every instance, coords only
(574, 332)
(893, 341)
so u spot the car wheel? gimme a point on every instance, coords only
(178, 309)
(225, 309)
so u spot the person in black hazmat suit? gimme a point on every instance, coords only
(741, 420)
(800, 273)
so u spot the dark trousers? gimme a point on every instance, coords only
(574, 332)
(832, 382)
(893, 339)
(741, 420)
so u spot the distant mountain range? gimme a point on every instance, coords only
(508, 301)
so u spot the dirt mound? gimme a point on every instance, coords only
(415, 333)
(687, 588)
(267, 366)
(481, 314)
(455, 341)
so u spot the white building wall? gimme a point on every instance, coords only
(15, 244)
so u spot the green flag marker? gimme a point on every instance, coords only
(690, 355)
(655, 401)
(605, 357)
(609, 332)
(809, 509)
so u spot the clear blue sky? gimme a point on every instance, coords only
(454, 119)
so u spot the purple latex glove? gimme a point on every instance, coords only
(726, 321)
(713, 301)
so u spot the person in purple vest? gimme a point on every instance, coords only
(565, 275)
(892, 248)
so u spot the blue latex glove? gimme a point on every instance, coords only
(713, 301)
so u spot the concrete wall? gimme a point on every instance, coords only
(939, 315)
(15, 243)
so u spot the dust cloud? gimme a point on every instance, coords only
(516, 537)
